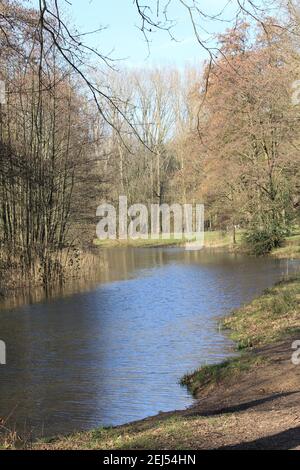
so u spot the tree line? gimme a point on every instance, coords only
(225, 134)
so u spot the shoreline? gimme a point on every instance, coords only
(218, 240)
(230, 395)
(214, 240)
(87, 259)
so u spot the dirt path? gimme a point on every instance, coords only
(263, 404)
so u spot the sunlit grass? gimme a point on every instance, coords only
(212, 239)
(174, 432)
(291, 246)
(139, 243)
(215, 373)
(268, 318)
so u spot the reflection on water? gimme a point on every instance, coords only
(114, 351)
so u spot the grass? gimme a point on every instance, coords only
(287, 251)
(139, 243)
(291, 246)
(212, 375)
(217, 239)
(267, 319)
(212, 239)
(170, 432)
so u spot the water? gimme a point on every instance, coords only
(114, 351)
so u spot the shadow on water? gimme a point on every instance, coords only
(111, 348)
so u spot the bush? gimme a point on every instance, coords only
(262, 241)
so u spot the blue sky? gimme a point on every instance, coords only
(123, 39)
(126, 41)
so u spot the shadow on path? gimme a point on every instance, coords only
(284, 440)
(244, 406)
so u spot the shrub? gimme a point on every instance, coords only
(262, 241)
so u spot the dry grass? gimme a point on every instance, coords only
(74, 265)
(174, 432)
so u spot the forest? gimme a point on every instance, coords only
(75, 132)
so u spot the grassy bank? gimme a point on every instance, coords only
(213, 239)
(272, 317)
(290, 248)
(211, 375)
(138, 243)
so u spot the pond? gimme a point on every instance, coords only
(114, 351)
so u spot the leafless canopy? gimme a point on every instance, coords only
(54, 32)
(230, 13)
